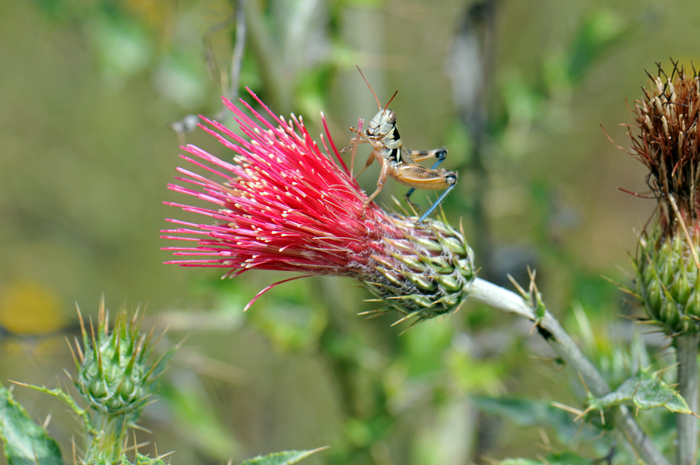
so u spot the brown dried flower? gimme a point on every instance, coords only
(668, 143)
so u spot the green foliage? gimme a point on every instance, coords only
(645, 390)
(472, 375)
(25, 442)
(195, 414)
(565, 458)
(525, 412)
(281, 458)
(122, 46)
(595, 36)
(520, 461)
(123, 460)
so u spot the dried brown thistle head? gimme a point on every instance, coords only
(668, 144)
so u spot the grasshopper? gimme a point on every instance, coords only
(399, 162)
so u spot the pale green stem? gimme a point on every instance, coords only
(550, 329)
(687, 355)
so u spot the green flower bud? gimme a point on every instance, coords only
(431, 273)
(115, 377)
(667, 279)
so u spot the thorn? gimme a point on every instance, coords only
(411, 326)
(403, 319)
(577, 412)
(515, 283)
(685, 230)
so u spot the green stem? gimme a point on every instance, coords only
(276, 82)
(687, 354)
(509, 302)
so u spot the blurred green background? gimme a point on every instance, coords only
(516, 91)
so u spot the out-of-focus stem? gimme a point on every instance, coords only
(550, 329)
(687, 354)
(278, 93)
(236, 59)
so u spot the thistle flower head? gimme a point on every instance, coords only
(668, 144)
(283, 204)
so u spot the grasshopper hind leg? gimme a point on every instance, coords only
(440, 154)
(434, 206)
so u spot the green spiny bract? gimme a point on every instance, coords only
(114, 375)
(428, 273)
(668, 281)
(116, 380)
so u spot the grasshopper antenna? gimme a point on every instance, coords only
(370, 88)
(392, 98)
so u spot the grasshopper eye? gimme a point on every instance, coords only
(390, 116)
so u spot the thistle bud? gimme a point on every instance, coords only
(425, 274)
(667, 143)
(115, 377)
(668, 282)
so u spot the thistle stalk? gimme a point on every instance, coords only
(549, 328)
(687, 354)
(666, 140)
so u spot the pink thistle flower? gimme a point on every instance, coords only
(285, 205)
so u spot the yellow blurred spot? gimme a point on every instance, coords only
(28, 308)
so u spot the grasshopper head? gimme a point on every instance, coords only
(382, 124)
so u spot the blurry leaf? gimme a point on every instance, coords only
(53, 9)
(472, 375)
(567, 458)
(523, 103)
(250, 76)
(25, 442)
(528, 413)
(645, 391)
(595, 36)
(519, 462)
(122, 46)
(182, 79)
(460, 143)
(281, 458)
(372, 4)
(198, 420)
(312, 89)
(564, 458)
(616, 361)
(286, 317)
(595, 293)
(358, 432)
(424, 347)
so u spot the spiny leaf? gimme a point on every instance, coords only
(519, 462)
(568, 458)
(67, 399)
(564, 458)
(281, 458)
(528, 413)
(26, 443)
(645, 390)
